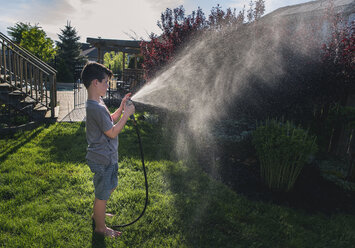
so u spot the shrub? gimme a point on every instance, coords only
(282, 149)
(233, 137)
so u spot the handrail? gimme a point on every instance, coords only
(28, 74)
(28, 60)
(27, 53)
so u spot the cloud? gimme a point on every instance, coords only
(111, 19)
(91, 18)
(87, 1)
(4, 24)
(161, 5)
(40, 11)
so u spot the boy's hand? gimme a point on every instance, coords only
(129, 109)
(125, 98)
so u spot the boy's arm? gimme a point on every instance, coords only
(117, 128)
(116, 115)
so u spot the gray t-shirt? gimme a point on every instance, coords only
(101, 149)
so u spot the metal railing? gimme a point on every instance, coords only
(28, 74)
(133, 80)
(80, 95)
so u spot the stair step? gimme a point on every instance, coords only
(39, 112)
(28, 100)
(18, 95)
(5, 87)
(17, 92)
(40, 107)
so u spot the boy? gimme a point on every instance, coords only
(102, 130)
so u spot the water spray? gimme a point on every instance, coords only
(130, 102)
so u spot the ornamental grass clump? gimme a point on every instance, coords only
(283, 149)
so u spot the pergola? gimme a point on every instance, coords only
(132, 79)
(108, 45)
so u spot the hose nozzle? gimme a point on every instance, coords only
(128, 103)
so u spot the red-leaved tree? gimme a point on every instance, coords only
(339, 64)
(339, 58)
(178, 29)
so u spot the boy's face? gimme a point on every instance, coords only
(102, 86)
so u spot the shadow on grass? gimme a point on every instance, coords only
(98, 240)
(206, 210)
(21, 139)
(155, 143)
(66, 142)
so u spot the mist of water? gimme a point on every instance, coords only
(214, 69)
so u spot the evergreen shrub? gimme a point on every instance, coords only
(282, 149)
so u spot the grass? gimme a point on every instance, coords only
(46, 197)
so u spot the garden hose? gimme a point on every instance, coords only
(144, 172)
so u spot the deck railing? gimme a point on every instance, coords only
(28, 74)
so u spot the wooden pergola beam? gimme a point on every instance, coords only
(124, 46)
(114, 43)
(108, 45)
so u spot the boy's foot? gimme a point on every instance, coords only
(93, 220)
(108, 232)
(102, 232)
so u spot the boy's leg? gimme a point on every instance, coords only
(106, 214)
(99, 217)
(99, 213)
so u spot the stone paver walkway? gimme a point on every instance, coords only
(67, 113)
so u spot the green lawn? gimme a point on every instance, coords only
(46, 197)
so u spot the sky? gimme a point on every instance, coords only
(109, 19)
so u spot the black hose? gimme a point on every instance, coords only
(145, 177)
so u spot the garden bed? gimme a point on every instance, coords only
(311, 193)
(232, 160)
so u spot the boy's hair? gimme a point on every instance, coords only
(92, 71)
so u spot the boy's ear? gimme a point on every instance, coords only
(95, 82)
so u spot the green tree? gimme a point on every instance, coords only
(114, 61)
(33, 39)
(16, 31)
(68, 53)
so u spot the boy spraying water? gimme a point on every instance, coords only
(102, 129)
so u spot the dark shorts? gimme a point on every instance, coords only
(105, 179)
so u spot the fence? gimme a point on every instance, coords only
(80, 95)
(132, 81)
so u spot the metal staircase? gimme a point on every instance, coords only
(27, 86)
